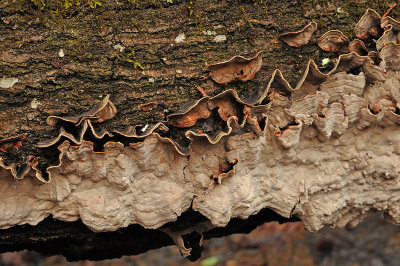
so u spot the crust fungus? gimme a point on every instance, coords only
(102, 111)
(388, 36)
(369, 26)
(27, 166)
(326, 152)
(390, 56)
(357, 46)
(310, 80)
(74, 127)
(388, 21)
(332, 41)
(300, 37)
(140, 131)
(190, 113)
(238, 67)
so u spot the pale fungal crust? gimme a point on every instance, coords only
(300, 37)
(326, 151)
(237, 68)
(332, 41)
(142, 183)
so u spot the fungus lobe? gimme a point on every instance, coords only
(238, 67)
(300, 37)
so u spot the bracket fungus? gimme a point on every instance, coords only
(238, 67)
(369, 26)
(102, 111)
(332, 41)
(388, 21)
(388, 36)
(300, 37)
(326, 151)
(357, 46)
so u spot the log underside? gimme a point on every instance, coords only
(76, 242)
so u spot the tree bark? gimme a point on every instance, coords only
(149, 56)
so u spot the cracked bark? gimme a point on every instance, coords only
(103, 50)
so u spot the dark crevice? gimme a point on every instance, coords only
(327, 68)
(291, 123)
(397, 112)
(355, 70)
(76, 242)
(223, 168)
(193, 241)
(262, 123)
(374, 109)
(213, 124)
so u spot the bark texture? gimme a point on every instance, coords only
(150, 56)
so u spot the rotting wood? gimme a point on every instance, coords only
(384, 114)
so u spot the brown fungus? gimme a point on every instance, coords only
(232, 126)
(388, 36)
(278, 83)
(290, 136)
(300, 37)
(140, 131)
(354, 63)
(237, 68)
(332, 41)
(388, 21)
(102, 111)
(228, 104)
(333, 122)
(343, 83)
(20, 170)
(390, 55)
(357, 46)
(369, 26)
(374, 56)
(75, 137)
(334, 132)
(13, 142)
(190, 113)
(309, 82)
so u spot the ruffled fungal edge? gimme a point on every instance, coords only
(236, 68)
(328, 120)
(369, 25)
(332, 41)
(300, 37)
